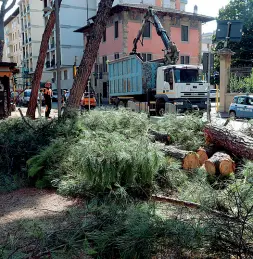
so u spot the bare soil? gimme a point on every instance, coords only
(32, 204)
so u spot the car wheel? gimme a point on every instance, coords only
(232, 115)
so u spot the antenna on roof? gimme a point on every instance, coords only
(195, 11)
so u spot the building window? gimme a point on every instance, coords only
(185, 60)
(105, 64)
(116, 29)
(54, 76)
(65, 74)
(147, 30)
(146, 57)
(184, 33)
(116, 55)
(104, 36)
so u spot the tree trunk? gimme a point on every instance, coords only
(161, 137)
(190, 160)
(235, 142)
(220, 163)
(90, 55)
(1, 36)
(40, 65)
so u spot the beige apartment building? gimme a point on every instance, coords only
(13, 43)
(32, 28)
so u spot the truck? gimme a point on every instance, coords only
(157, 82)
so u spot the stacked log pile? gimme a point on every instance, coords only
(216, 157)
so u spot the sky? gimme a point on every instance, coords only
(207, 7)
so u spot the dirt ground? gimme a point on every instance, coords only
(31, 204)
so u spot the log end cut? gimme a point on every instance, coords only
(227, 167)
(220, 163)
(210, 167)
(191, 161)
(202, 155)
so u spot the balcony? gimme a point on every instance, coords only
(9, 55)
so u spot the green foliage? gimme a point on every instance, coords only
(104, 162)
(185, 131)
(240, 10)
(18, 143)
(241, 85)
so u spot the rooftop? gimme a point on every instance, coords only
(160, 10)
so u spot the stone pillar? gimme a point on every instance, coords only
(225, 64)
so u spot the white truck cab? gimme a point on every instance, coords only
(181, 85)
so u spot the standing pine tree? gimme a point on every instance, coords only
(40, 64)
(90, 54)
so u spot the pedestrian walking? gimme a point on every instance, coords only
(48, 99)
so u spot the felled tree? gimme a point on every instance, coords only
(90, 54)
(40, 64)
(3, 12)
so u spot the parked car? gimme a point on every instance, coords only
(27, 95)
(213, 94)
(88, 99)
(241, 107)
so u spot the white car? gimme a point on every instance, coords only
(26, 98)
(213, 94)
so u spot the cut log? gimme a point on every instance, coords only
(202, 155)
(161, 137)
(220, 163)
(206, 152)
(235, 142)
(190, 160)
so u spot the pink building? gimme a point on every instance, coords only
(183, 28)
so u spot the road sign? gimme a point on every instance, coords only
(229, 30)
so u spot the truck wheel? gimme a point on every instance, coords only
(161, 109)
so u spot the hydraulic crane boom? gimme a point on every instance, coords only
(171, 52)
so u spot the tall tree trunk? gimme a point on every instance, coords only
(40, 65)
(1, 36)
(90, 54)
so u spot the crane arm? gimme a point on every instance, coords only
(171, 54)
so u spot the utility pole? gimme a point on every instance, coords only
(208, 89)
(58, 55)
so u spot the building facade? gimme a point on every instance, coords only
(32, 28)
(73, 14)
(183, 28)
(13, 43)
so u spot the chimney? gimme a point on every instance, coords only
(178, 4)
(159, 3)
(195, 11)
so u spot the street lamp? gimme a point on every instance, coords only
(58, 51)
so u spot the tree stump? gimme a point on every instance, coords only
(235, 142)
(190, 160)
(220, 163)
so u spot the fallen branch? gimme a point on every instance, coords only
(25, 121)
(161, 137)
(191, 205)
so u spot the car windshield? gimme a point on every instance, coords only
(187, 76)
(27, 93)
